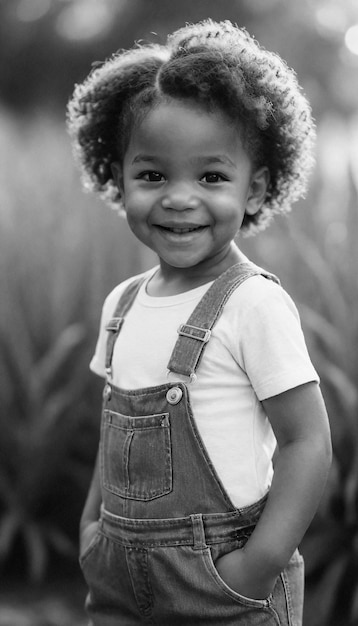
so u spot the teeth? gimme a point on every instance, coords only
(182, 231)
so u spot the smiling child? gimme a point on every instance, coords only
(207, 372)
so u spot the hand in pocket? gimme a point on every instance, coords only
(244, 577)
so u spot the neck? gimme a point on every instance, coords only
(170, 281)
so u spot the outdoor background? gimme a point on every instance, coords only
(62, 251)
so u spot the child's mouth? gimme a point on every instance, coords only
(181, 230)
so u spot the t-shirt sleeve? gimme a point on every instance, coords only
(272, 345)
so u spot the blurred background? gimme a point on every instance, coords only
(62, 251)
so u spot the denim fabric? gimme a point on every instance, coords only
(163, 572)
(189, 347)
(166, 517)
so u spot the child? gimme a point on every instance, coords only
(186, 522)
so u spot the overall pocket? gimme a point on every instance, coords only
(136, 458)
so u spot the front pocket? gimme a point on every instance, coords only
(136, 458)
(250, 602)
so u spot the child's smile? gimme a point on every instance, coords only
(178, 231)
(187, 181)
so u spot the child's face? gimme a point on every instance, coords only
(186, 182)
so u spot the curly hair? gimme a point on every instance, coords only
(218, 65)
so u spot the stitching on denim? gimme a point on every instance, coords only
(288, 597)
(186, 355)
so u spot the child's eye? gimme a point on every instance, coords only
(213, 177)
(151, 177)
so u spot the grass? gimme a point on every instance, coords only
(316, 255)
(61, 252)
(54, 274)
(54, 603)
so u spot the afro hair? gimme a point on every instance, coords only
(218, 65)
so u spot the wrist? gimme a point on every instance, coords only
(264, 560)
(85, 523)
(87, 532)
(245, 576)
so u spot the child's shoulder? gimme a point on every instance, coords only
(259, 292)
(114, 295)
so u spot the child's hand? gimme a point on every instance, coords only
(243, 576)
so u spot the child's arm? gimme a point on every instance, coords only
(91, 511)
(300, 423)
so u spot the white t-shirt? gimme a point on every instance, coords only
(256, 351)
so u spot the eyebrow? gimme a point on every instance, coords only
(205, 160)
(217, 158)
(143, 157)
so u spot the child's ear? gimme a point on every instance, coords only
(117, 173)
(258, 188)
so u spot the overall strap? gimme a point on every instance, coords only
(115, 324)
(194, 335)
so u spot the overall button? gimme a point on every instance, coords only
(174, 395)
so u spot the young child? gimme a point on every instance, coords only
(205, 362)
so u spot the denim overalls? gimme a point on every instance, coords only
(166, 517)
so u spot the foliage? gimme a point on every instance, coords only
(317, 260)
(48, 45)
(52, 281)
(332, 545)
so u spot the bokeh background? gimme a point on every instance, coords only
(62, 251)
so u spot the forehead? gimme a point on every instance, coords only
(178, 125)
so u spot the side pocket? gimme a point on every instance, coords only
(136, 457)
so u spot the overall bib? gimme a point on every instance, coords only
(166, 517)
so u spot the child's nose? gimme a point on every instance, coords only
(179, 197)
